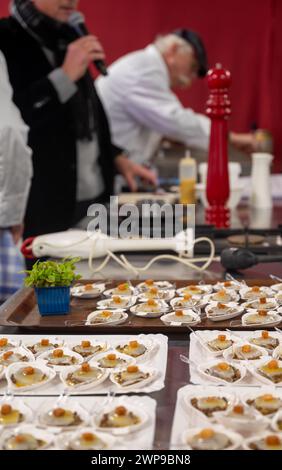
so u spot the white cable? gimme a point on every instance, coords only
(182, 258)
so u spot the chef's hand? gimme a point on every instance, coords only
(80, 54)
(131, 170)
(243, 142)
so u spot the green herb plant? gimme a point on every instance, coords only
(52, 274)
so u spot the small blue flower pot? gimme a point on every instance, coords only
(53, 300)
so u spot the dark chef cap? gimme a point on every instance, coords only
(200, 52)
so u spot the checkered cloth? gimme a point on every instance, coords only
(11, 263)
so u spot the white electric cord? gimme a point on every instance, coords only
(181, 258)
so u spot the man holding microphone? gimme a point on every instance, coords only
(73, 158)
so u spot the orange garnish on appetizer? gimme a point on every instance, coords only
(206, 433)
(132, 369)
(59, 412)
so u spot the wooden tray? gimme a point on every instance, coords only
(21, 311)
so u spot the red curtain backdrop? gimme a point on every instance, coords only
(245, 36)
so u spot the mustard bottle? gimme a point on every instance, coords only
(187, 179)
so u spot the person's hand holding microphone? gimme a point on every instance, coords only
(80, 54)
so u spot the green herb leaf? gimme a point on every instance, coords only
(52, 274)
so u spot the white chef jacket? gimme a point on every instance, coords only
(142, 109)
(15, 156)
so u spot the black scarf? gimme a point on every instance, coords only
(56, 36)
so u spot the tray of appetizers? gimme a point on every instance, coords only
(227, 418)
(236, 357)
(69, 423)
(153, 306)
(82, 365)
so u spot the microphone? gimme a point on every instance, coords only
(233, 259)
(77, 22)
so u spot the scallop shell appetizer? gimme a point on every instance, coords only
(133, 377)
(266, 401)
(121, 419)
(181, 317)
(255, 292)
(65, 416)
(19, 354)
(106, 317)
(27, 377)
(124, 289)
(215, 343)
(43, 344)
(242, 418)
(149, 283)
(112, 360)
(88, 348)
(116, 302)
(245, 352)
(151, 308)
(6, 343)
(211, 438)
(261, 318)
(218, 311)
(224, 296)
(198, 290)
(83, 377)
(61, 358)
(26, 437)
(264, 441)
(222, 372)
(207, 404)
(141, 349)
(88, 291)
(14, 412)
(156, 294)
(85, 439)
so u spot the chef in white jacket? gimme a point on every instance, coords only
(15, 179)
(141, 106)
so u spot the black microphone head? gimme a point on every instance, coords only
(76, 18)
(237, 258)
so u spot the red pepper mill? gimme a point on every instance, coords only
(218, 110)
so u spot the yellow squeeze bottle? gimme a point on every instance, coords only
(187, 178)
